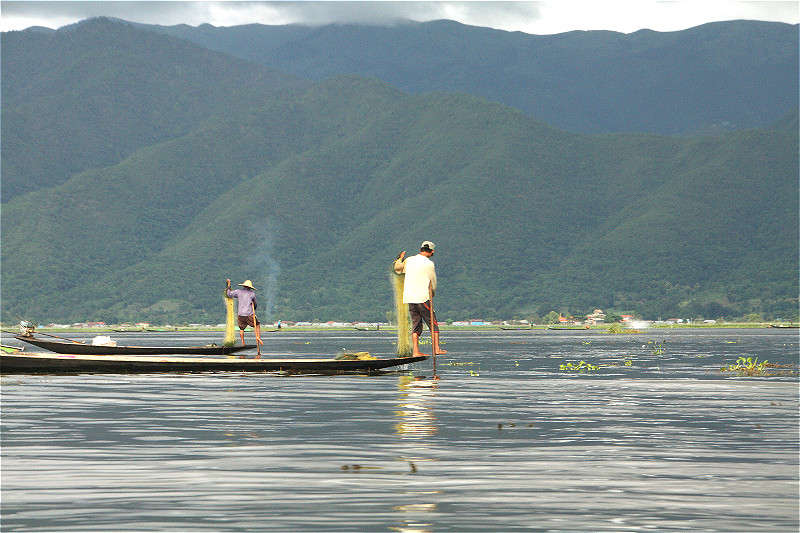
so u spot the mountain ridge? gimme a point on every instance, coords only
(713, 77)
(312, 190)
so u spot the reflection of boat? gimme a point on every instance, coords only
(783, 326)
(91, 349)
(51, 363)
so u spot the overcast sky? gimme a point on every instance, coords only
(545, 17)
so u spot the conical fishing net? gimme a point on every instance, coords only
(401, 311)
(230, 321)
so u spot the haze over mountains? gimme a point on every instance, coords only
(141, 169)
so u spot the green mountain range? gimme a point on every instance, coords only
(712, 78)
(192, 166)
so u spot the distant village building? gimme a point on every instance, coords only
(597, 317)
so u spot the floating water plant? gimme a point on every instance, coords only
(747, 366)
(580, 367)
(658, 347)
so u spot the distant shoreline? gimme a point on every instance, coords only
(444, 327)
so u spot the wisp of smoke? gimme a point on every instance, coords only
(264, 266)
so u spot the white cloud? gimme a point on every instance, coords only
(544, 17)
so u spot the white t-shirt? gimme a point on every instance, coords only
(420, 272)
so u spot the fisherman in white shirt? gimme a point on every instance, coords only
(418, 291)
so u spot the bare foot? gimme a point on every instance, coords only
(418, 354)
(440, 352)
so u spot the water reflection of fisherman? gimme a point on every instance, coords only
(418, 291)
(416, 418)
(246, 308)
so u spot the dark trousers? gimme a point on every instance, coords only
(419, 313)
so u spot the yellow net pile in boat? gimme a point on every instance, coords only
(230, 321)
(401, 310)
(360, 356)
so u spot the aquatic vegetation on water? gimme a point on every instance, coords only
(580, 367)
(657, 347)
(748, 366)
(358, 468)
(463, 363)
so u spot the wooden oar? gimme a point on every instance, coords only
(433, 344)
(47, 335)
(255, 321)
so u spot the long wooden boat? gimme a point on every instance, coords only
(90, 349)
(52, 363)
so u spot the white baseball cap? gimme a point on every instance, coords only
(427, 244)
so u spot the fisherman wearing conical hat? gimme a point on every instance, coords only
(246, 308)
(418, 291)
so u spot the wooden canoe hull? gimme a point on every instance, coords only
(89, 349)
(51, 363)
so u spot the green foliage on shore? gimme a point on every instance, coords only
(310, 190)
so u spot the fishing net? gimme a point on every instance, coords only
(230, 321)
(401, 311)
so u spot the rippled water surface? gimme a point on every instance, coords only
(656, 438)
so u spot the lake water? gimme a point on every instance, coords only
(655, 439)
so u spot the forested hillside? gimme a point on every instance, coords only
(310, 190)
(708, 79)
(90, 95)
